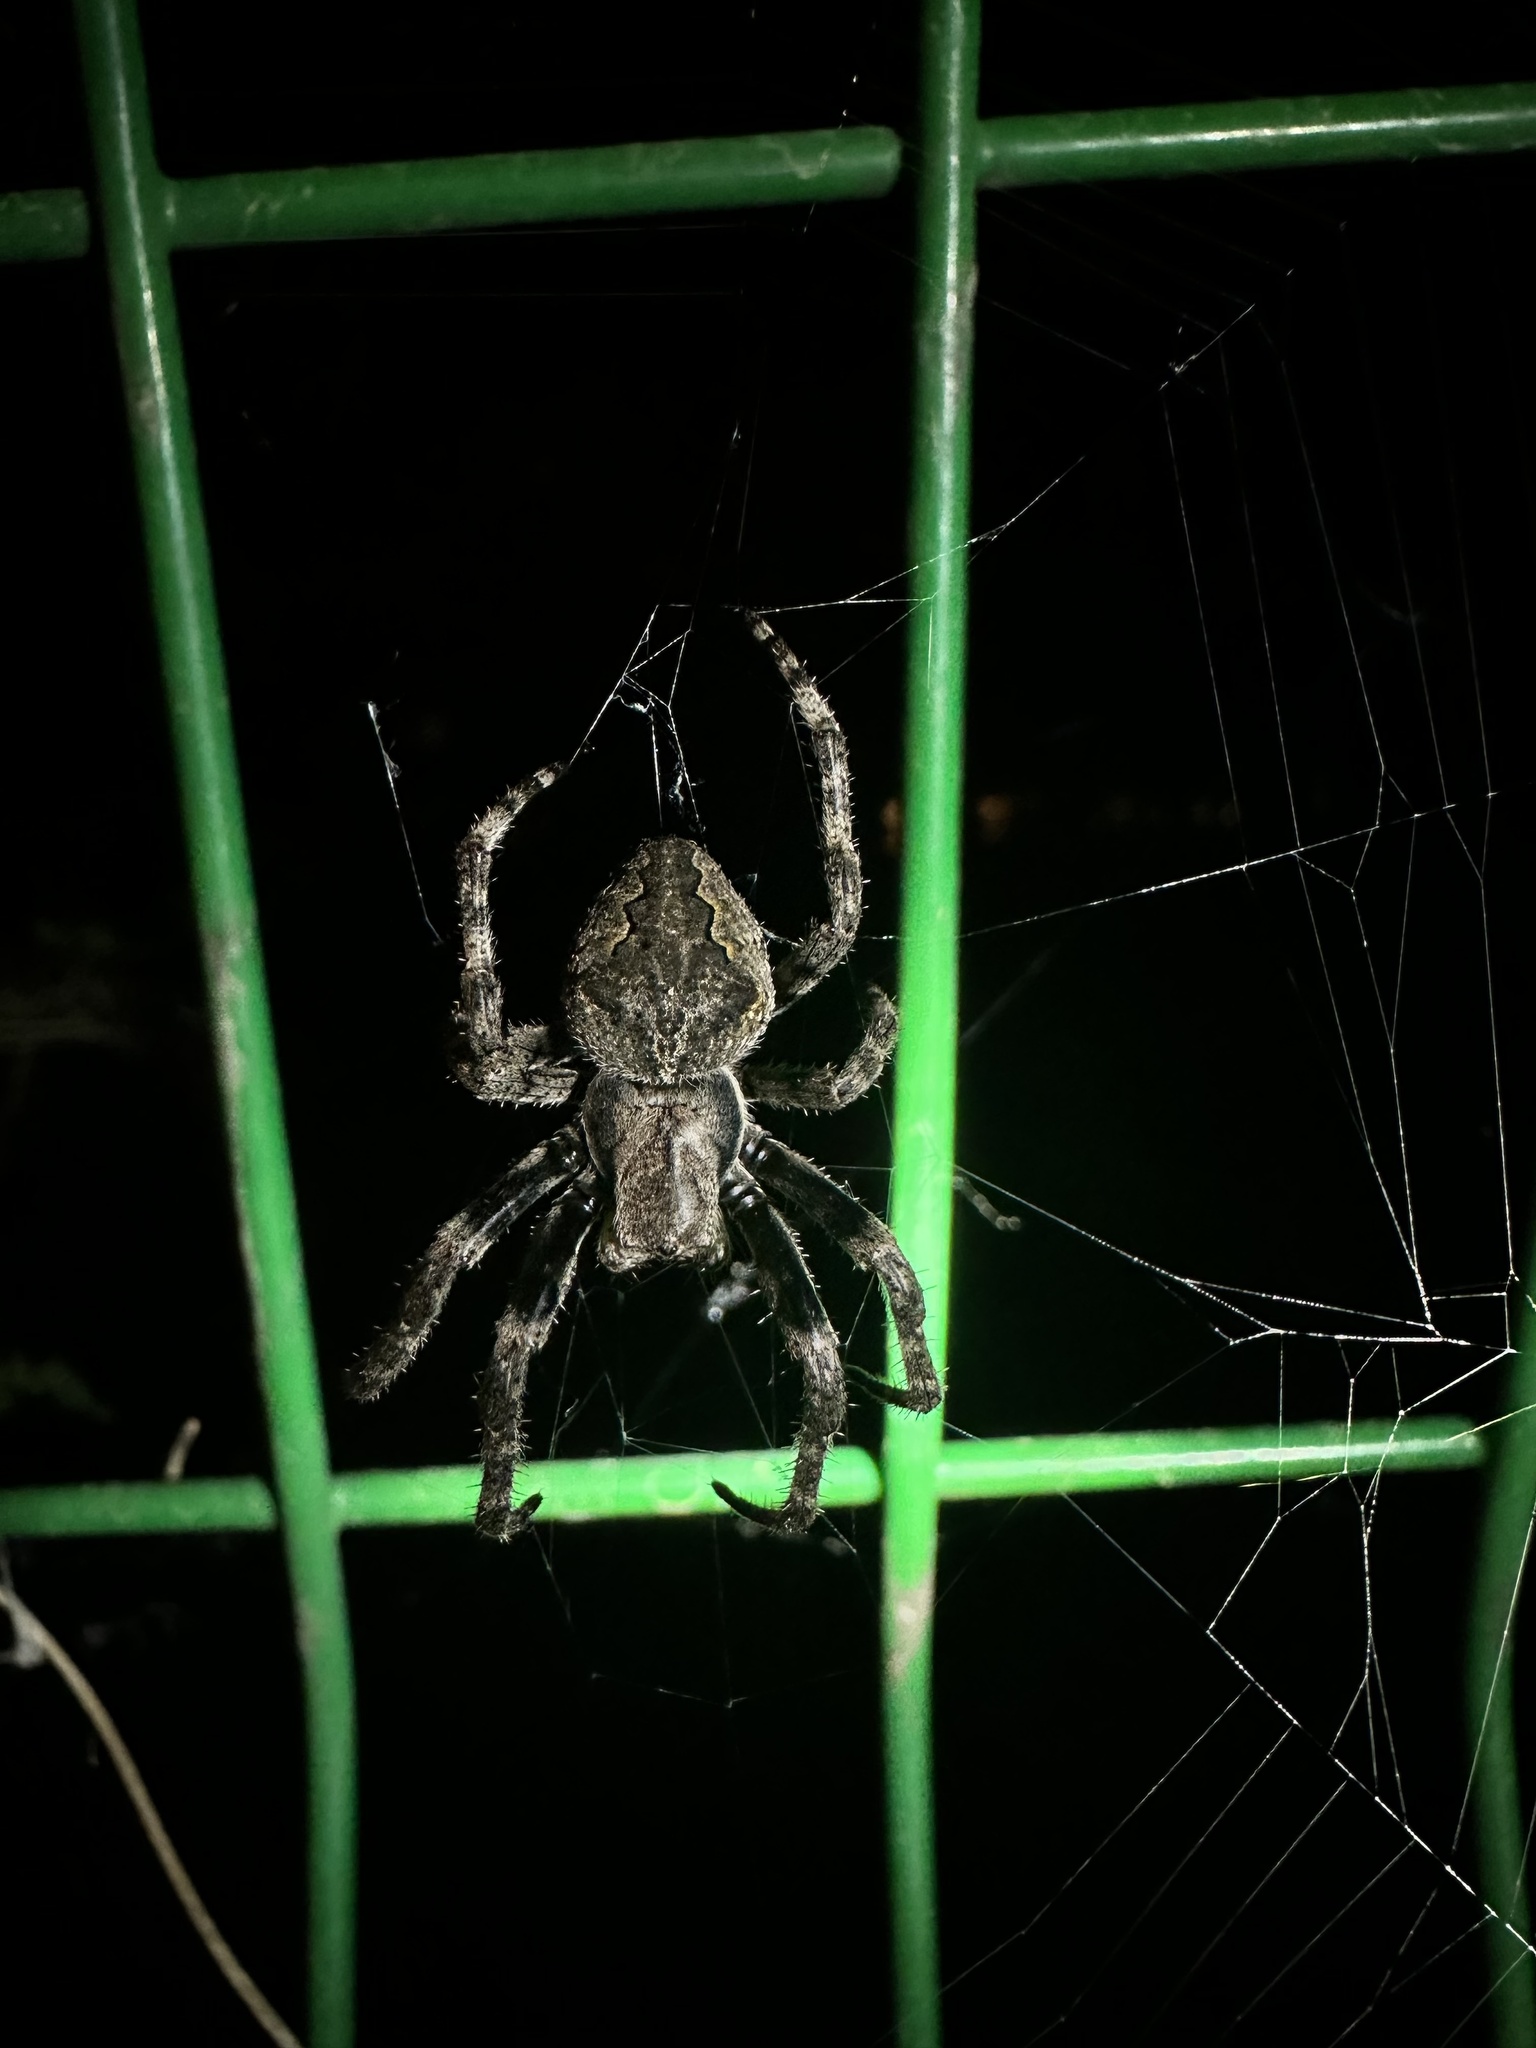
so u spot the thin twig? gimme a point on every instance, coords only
(176, 1456)
(28, 1627)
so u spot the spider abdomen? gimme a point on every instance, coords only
(662, 1152)
(670, 978)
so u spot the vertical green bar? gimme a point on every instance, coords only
(133, 219)
(1504, 1555)
(922, 1197)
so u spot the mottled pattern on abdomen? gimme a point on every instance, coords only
(670, 977)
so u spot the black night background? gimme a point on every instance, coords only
(627, 1776)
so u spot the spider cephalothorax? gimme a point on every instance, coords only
(669, 990)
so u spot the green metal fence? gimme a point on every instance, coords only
(140, 217)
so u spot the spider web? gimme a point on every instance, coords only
(1337, 621)
(1239, 1101)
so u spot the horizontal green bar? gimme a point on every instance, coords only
(614, 1489)
(600, 1489)
(129, 1507)
(1004, 1468)
(773, 170)
(37, 227)
(565, 184)
(574, 1490)
(1248, 135)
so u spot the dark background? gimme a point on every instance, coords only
(630, 1770)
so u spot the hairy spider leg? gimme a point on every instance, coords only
(517, 1064)
(824, 945)
(560, 1246)
(461, 1243)
(806, 1191)
(810, 1341)
(823, 1090)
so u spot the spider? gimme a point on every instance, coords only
(669, 990)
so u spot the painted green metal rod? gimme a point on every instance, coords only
(1010, 1468)
(1504, 1557)
(138, 1507)
(433, 194)
(1256, 135)
(529, 185)
(923, 1118)
(679, 1485)
(574, 1490)
(132, 214)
